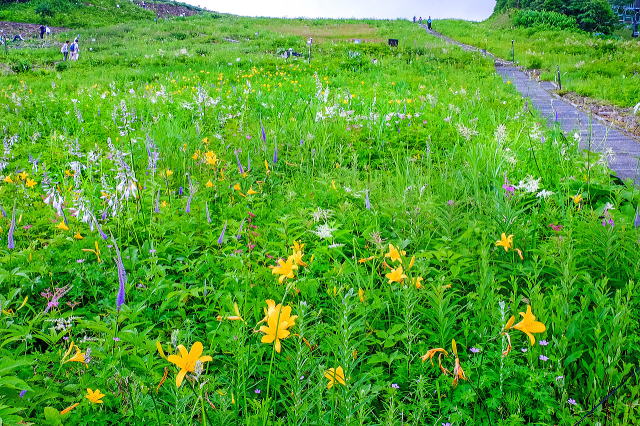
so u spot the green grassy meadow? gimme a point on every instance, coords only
(606, 69)
(199, 231)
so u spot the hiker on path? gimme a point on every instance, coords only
(414, 19)
(43, 29)
(47, 31)
(18, 37)
(420, 20)
(75, 50)
(429, 23)
(65, 50)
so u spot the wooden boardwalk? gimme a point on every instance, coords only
(621, 150)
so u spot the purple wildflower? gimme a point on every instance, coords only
(4, 213)
(451, 202)
(543, 343)
(571, 401)
(187, 208)
(474, 350)
(116, 339)
(180, 191)
(206, 210)
(239, 234)
(12, 227)
(446, 424)
(524, 350)
(240, 169)
(156, 208)
(395, 385)
(257, 391)
(263, 134)
(509, 189)
(221, 237)
(367, 202)
(80, 260)
(275, 153)
(636, 221)
(558, 378)
(122, 278)
(22, 392)
(543, 358)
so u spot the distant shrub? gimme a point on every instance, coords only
(544, 19)
(20, 66)
(62, 66)
(179, 36)
(534, 63)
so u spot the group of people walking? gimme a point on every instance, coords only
(420, 21)
(70, 51)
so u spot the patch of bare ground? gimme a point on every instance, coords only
(25, 30)
(621, 117)
(168, 10)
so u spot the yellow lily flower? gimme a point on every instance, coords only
(94, 396)
(23, 175)
(394, 254)
(506, 242)
(209, 184)
(78, 236)
(69, 408)
(31, 183)
(96, 251)
(279, 320)
(284, 269)
(335, 375)
(62, 226)
(361, 295)
(187, 360)
(78, 357)
(396, 275)
(458, 372)
(297, 254)
(528, 325)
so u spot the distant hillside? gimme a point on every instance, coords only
(88, 13)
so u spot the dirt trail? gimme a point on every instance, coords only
(621, 149)
(26, 30)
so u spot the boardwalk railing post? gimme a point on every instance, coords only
(513, 51)
(558, 77)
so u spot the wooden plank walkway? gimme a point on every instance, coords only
(621, 150)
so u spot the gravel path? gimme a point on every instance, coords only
(622, 150)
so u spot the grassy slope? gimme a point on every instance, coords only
(607, 70)
(94, 13)
(433, 191)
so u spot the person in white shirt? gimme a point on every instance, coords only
(65, 50)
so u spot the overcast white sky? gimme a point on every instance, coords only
(464, 9)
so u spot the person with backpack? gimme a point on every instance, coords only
(429, 23)
(75, 50)
(42, 31)
(65, 50)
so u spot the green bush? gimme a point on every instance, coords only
(62, 66)
(21, 65)
(542, 18)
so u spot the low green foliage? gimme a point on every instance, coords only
(164, 191)
(543, 20)
(74, 13)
